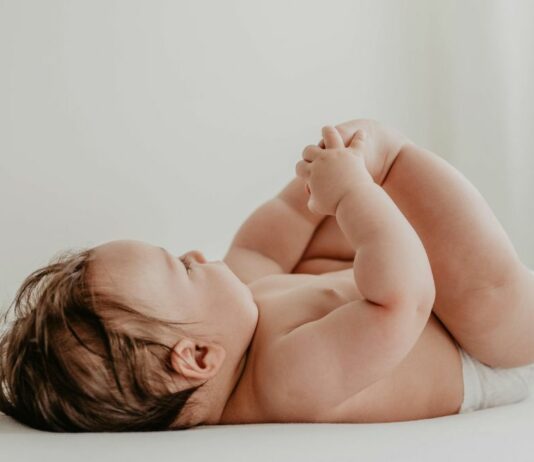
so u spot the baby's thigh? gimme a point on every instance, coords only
(467, 247)
(484, 293)
(496, 325)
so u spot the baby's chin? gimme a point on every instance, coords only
(248, 293)
(252, 310)
(236, 276)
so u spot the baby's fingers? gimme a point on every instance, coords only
(332, 138)
(311, 152)
(302, 169)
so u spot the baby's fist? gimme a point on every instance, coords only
(333, 172)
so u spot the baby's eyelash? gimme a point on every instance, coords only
(187, 267)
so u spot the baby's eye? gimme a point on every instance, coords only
(187, 267)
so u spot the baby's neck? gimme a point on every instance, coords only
(236, 394)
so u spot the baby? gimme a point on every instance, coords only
(376, 286)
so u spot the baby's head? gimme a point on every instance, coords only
(119, 338)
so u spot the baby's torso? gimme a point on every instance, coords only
(427, 383)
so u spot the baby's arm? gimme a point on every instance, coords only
(360, 342)
(273, 238)
(467, 247)
(328, 243)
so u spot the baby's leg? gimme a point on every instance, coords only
(484, 294)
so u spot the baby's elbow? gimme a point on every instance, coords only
(420, 299)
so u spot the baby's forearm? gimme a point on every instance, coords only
(278, 230)
(391, 267)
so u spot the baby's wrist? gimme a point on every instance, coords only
(354, 195)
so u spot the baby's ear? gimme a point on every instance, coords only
(197, 360)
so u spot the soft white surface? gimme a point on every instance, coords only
(498, 434)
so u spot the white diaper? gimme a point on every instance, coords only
(486, 387)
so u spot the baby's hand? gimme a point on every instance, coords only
(383, 144)
(333, 172)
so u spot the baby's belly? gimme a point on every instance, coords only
(428, 383)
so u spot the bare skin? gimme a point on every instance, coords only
(484, 301)
(428, 383)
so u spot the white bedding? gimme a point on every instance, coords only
(504, 433)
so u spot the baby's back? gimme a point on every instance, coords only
(427, 383)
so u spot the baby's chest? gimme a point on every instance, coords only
(285, 305)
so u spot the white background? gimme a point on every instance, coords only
(171, 121)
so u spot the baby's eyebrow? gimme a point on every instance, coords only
(170, 260)
(166, 255)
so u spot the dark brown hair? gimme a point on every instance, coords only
(76, 360)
